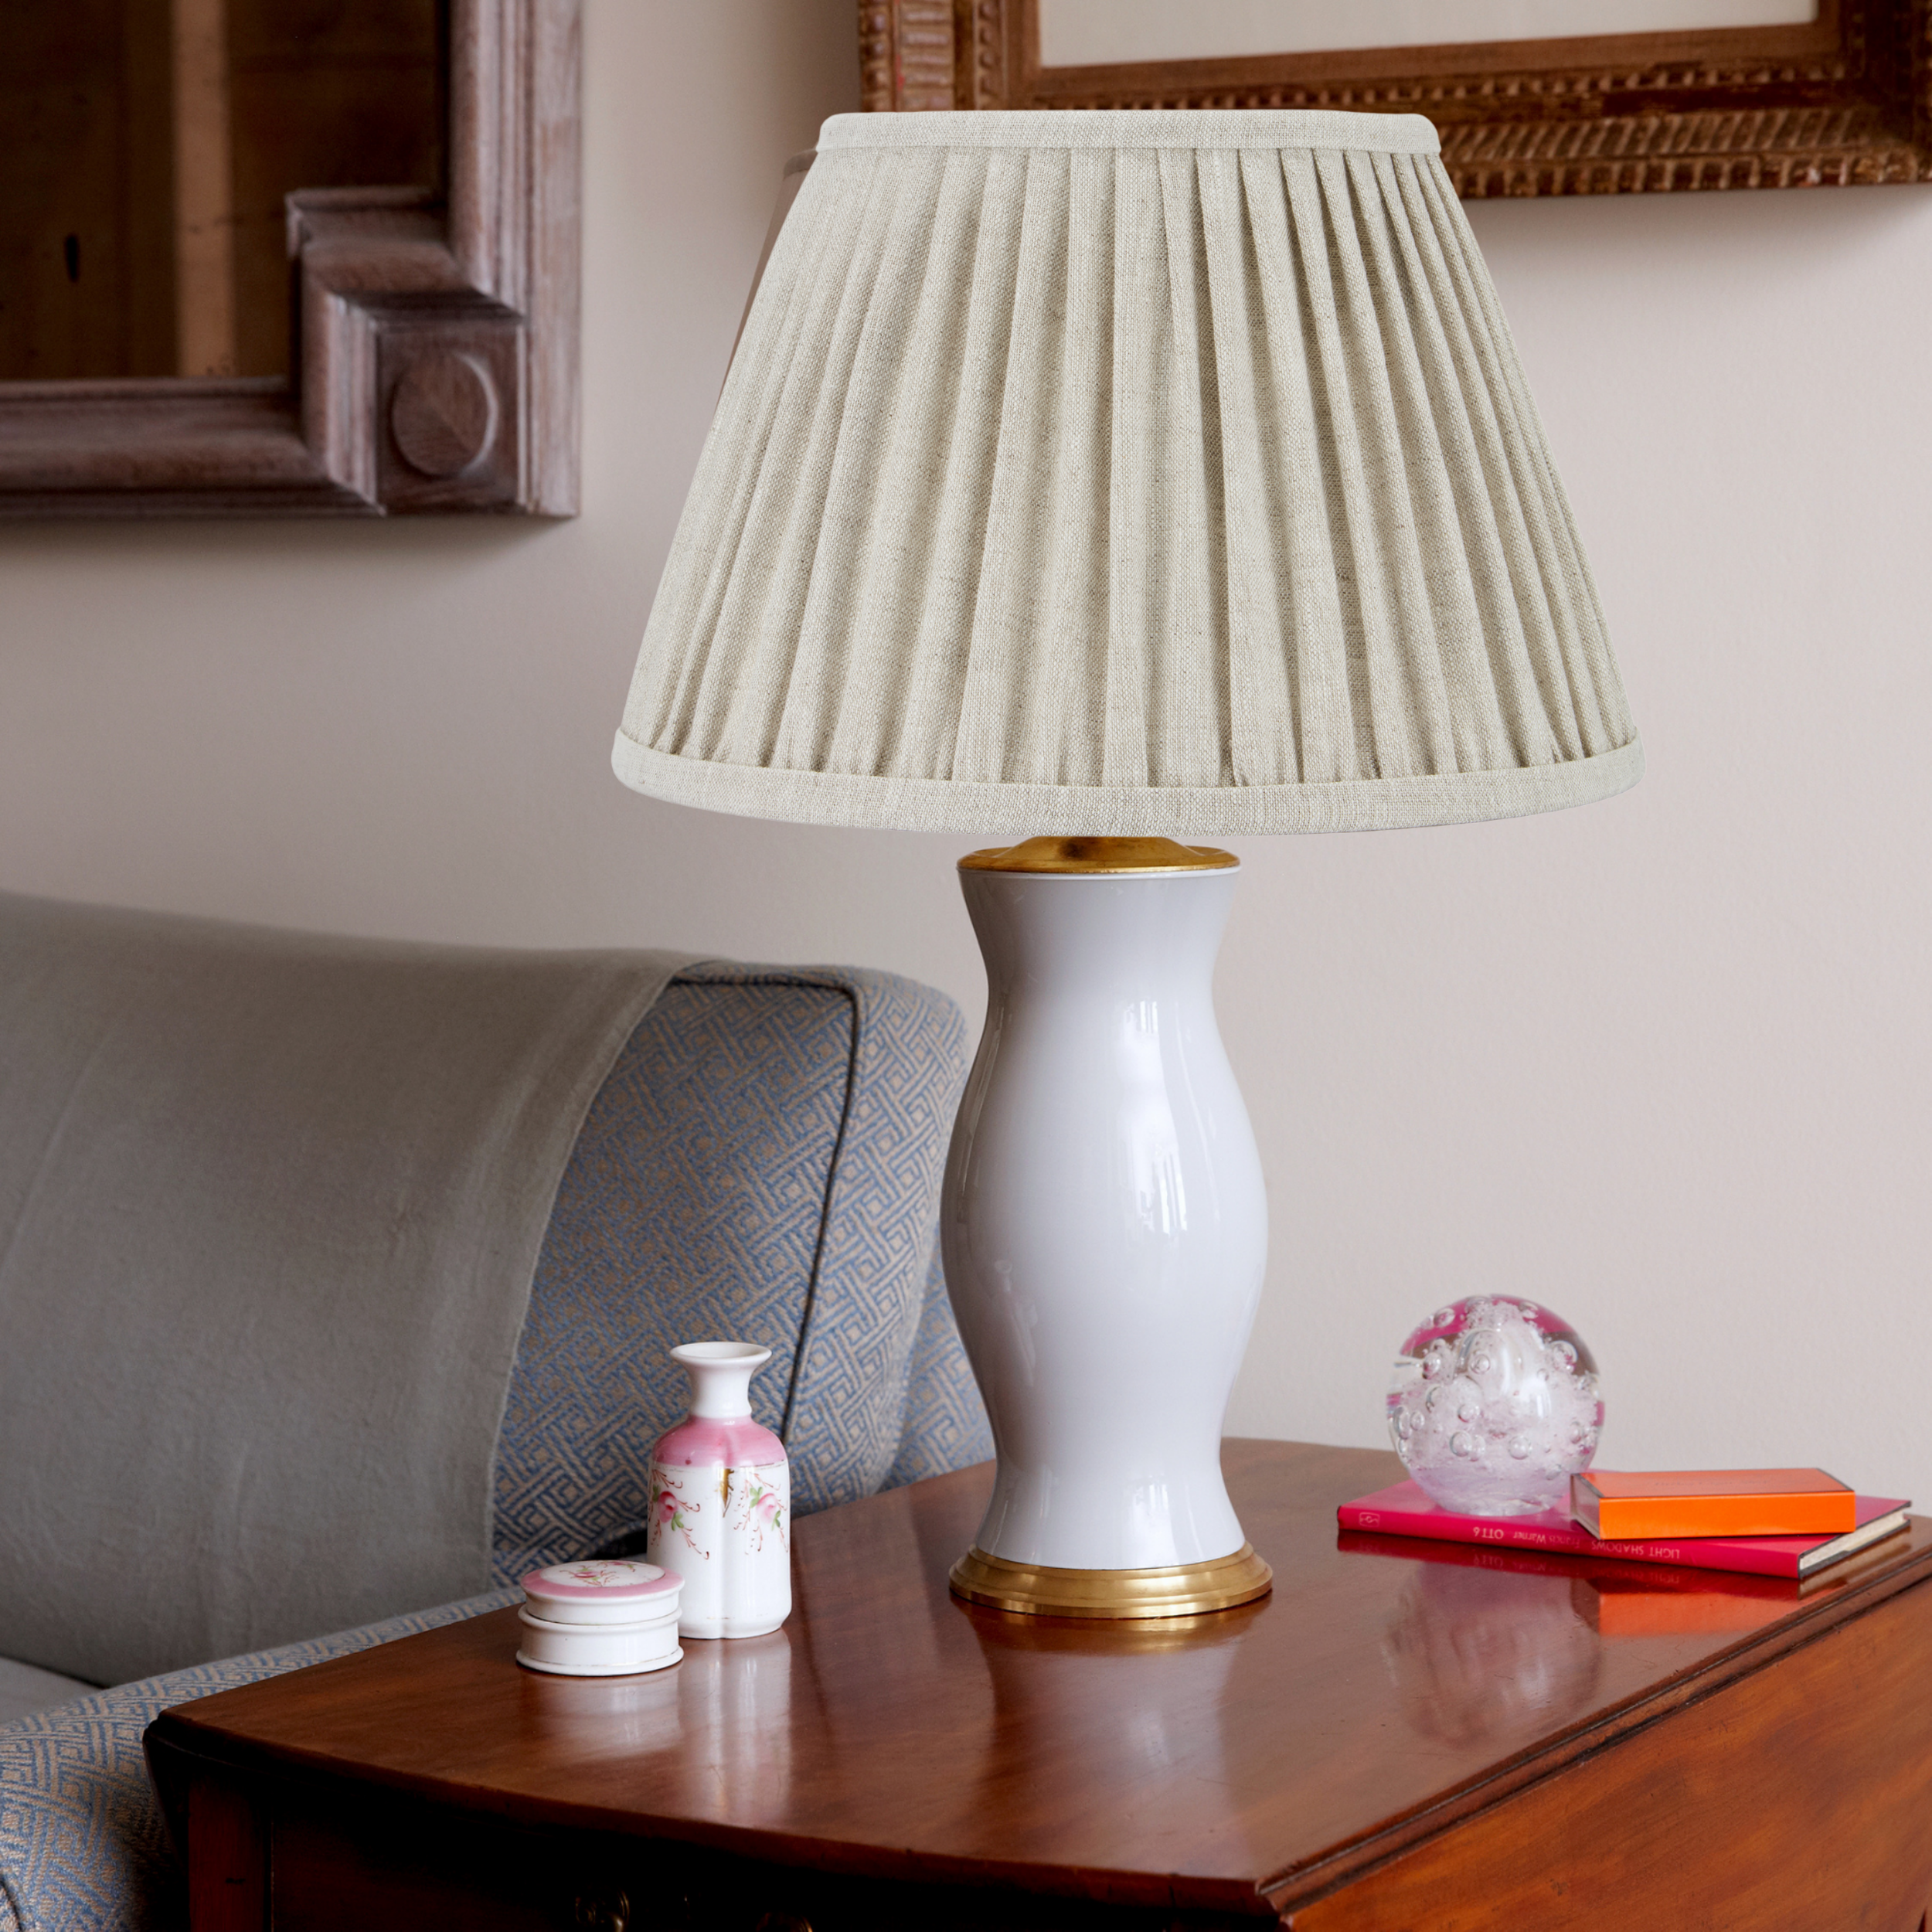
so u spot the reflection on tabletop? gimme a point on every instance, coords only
(1486, 1642)
(719, 1722)
(1076, 1699)
(1479, 1653)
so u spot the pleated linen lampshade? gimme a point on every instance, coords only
(1122, 477)
(1127, 473)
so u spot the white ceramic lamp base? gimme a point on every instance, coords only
(1105, 1231)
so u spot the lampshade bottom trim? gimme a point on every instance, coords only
(1172, 812)
(1182, 1589)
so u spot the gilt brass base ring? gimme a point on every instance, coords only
(1181, 1590)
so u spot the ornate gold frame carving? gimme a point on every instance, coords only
(436, 364)
(1847, 99)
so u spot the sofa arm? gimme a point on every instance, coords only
(83, 1847)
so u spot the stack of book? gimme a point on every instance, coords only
(1770, 1522)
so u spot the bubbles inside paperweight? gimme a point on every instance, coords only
(1494, 1406)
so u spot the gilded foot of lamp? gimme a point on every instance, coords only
(1101, 483)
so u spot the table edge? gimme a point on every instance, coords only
(171, 1756)
(1298, 1886)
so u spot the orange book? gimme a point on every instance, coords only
(1621, 1506)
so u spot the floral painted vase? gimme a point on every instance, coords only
(721, 1500)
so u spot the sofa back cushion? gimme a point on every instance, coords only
(763, 1164)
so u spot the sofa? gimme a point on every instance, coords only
(337, 1284)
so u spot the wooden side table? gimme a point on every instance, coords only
(1403, 1735)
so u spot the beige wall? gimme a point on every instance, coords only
(1663, 1062)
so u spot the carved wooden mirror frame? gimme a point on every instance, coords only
(435, 339)
(1847, 98)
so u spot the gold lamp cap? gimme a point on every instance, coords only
(1096, 855)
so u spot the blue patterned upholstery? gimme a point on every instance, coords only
(946, 1424)
(82, 1844)
(764, 1163)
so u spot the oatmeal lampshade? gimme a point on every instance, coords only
(1127, 473)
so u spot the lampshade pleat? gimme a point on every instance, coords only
(925, 730)
(1151, 472)
(1458, 702)
(1042, 537)
(1304, 729)
(1553, 584)
(1510, 718)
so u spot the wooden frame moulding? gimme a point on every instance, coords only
(1845, 99)
(435, 351)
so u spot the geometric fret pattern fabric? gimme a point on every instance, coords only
(847, 1414)
(763, 1163)
(82, 1844)
(690, 1209)
(946, 1424)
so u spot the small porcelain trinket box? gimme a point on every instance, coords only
(721, 1500)
(600, 1618)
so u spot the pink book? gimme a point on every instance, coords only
(1403, 1510)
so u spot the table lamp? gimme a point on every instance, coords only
(1104, 482)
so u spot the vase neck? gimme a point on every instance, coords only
(720, 1374)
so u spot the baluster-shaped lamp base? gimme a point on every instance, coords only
(1105, 1232)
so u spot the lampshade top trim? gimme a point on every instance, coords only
(1305, 128)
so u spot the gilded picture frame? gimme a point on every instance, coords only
(1845, 99)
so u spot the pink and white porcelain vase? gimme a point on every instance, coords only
(721, 1500)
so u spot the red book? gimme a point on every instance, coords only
(1403, 1510)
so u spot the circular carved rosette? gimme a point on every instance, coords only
(443, 414)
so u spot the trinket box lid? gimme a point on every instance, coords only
(602, 1590)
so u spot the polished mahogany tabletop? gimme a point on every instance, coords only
(1224, 1763)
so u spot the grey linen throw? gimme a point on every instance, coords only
(270, 1207)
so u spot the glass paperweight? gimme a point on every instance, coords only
(1494, 1406)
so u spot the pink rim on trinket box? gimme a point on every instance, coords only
(601, 1589)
